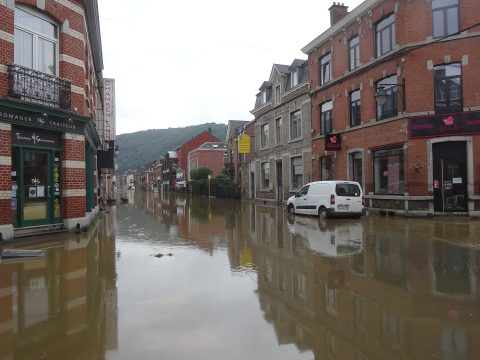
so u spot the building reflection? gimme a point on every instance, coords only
(62, 306)
(372, 288)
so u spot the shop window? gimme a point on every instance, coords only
(326, 168)
(448, 88)
(389, 172)
(445, 17)
(385, 35)
(326, 118)
(296, 125)
(354, 52)
(297, 172)
(387, 98)
(265, 175)
(355, 113)
(35, 41)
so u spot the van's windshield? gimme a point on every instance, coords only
(347, 190)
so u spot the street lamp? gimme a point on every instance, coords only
(385, 90)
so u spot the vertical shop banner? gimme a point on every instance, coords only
(109, 109)
(244, 144)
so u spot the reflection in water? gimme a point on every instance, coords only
(62, 306)
(246, 281)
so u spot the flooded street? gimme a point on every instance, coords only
(236, 280)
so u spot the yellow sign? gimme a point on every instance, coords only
(244, 144)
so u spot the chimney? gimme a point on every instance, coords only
(337, 12)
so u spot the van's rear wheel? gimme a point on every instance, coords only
(291, 209)
(322, 213)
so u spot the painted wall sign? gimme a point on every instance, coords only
(444, 125)
(39, 121)
(27, 137)
(333, 142)
(109, 109)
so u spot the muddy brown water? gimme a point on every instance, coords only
(244, 281)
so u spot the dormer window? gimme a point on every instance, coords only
(264, 96)
(294, 78)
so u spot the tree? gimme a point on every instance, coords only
(203, 172)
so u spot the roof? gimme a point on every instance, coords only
(212, 146)
(282, 69)
(234, 127)
(326, 35)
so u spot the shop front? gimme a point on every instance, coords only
(452, 159)
(45, 154)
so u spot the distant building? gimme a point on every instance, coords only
(235, 128)
(211, 155)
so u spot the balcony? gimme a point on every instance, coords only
(39, 88)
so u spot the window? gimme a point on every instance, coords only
(36, 42)
(354, 53)
(387, 104)
(325, 69)
(326, 168)
(326, 118)
(388, 171)
(448, 88)
(296, 125)
(445, 17)
(303, 191)
(278, 131)
(297, 172)
(264, 136)
(385, 31)
(264, 96)
(265, 175)
(277, 94)
(356, 168)
(355, 118)
(294, 79)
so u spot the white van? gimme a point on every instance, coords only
(328, 198)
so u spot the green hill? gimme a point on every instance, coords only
(143, 147)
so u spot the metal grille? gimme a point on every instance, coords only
(40, 88)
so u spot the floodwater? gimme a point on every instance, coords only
(244, 281)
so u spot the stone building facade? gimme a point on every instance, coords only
(282, 126)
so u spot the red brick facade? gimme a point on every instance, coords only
(411, 63)
(78, 62)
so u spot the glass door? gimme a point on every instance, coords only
(450, 177)
(36, 187)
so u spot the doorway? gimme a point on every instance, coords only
(450, 176)
(279, 177)
(35, 179)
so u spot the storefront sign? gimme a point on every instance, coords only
(109, 109)
(444, 125)
(35, 138)
(41, 121)
(333, 142)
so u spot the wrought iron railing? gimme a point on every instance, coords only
(40, 88)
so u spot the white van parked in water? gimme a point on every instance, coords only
(328, 198)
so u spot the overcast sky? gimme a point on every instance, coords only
(180, 63)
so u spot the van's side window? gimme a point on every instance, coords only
(303, 191)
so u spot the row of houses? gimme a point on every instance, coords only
(388, 97)
(57, 129)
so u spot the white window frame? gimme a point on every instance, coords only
(278, 130)
(36, 36)
(298, 122)
(264, 134)
(326, 69)
(265, 175)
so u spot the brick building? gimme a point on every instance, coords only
(395, 104)
(209, 154)
(282, 161)
(234, 158)
(51, 105)
(182, 152)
